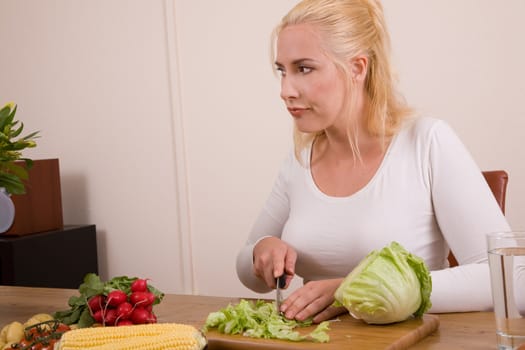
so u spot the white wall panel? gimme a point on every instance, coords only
(237, 130)
(93, 77)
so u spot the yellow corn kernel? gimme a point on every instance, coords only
(139, 337)
(165, 341)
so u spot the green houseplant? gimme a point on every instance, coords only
(12, 173)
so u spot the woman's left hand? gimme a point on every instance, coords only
(314, 299)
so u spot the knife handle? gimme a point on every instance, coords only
(281, 281)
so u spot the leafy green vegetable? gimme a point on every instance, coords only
(387, 286)
(260, 319)
(79, 311)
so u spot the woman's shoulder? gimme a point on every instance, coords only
(420, 123)
(293, 160)
(298, 158)
(420, 133)
(424, 127)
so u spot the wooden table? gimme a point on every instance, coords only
(456, 331)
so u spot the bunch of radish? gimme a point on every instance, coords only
(119, 308)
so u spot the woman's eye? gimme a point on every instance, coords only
(280, 71)
(304, 69)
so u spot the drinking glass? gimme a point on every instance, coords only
(506, 252)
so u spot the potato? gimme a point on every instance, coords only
(38, 318)
(3, 333)
(15, 332)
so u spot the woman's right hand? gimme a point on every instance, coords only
(272, 258)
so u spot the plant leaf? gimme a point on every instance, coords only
(31, 136)
(18, 170)
(12, 175)
(11, 183)
(18, 131)
(85, 319)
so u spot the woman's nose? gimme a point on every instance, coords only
(288, 89)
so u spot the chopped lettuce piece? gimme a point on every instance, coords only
(260, 319)
(387, 286)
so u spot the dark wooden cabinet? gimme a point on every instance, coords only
(55, 259)
(40, 208)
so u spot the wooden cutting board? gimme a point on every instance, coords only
(347, 333)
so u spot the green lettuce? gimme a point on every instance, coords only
(260, 319)
(387, 286)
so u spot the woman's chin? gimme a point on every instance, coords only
(305, 126)
(308, 129)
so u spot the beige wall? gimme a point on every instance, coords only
(166, 119)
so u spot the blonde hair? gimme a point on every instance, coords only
(350, 28)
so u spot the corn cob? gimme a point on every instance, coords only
(155, 336)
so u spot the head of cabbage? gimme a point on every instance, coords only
(387, 286)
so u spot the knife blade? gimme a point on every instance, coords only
(280, 282)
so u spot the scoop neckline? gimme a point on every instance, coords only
(358, 193)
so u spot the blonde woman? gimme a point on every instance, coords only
(365, 171)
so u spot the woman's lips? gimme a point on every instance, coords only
(297, 111)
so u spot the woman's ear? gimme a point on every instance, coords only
(359, 67)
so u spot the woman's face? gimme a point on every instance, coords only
(312, 87)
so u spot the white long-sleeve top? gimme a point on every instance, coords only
(428, 194)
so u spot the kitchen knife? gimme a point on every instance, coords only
(280, 282)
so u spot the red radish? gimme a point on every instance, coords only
(116, 297)
(124, 310)
(151, 298)
(98, 316)
(142, 298)
(95, 303)
(139, 285)
(124, 323)
(110, 317)
(141, 316)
